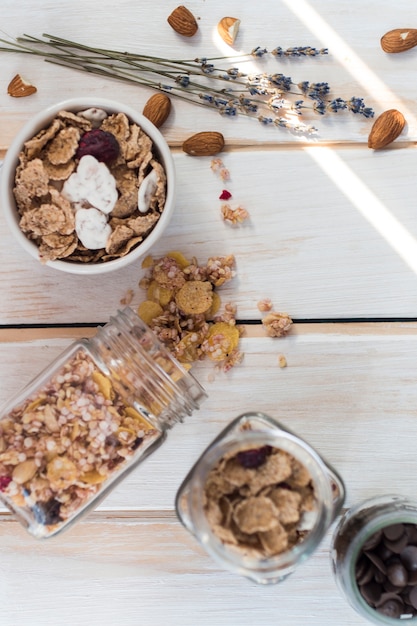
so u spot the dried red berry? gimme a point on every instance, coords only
(251, 459)
(4, 481)
(100, 144)
(225, 195)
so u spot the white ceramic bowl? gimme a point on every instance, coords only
(42, 120)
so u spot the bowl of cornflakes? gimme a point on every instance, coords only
(88, 186)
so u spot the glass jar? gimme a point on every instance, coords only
(87, 420)
(268, 447)
(359, 538)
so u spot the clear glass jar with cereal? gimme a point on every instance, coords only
(87, 420)
(259, 499)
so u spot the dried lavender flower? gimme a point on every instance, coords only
(201, 82)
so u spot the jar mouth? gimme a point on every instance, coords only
(323, 495)
(353, 554)
(160, 386)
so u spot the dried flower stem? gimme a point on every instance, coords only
(270, 98)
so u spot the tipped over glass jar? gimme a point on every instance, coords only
(87, 420)
(259, 499)
(374, 558)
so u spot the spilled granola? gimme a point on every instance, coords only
(182, 308)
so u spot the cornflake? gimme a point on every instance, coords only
(182, 308)
(256, 499)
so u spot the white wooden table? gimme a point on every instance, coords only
(332, 240)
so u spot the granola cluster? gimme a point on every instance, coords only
(182, 308)
(259, 501)
(89, 187)
(59, 447)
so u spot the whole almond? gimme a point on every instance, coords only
(205, 143)
(19, 87)
(387, 127)
(399, 40)
(183, 21)
(228, 28)
(157, 109)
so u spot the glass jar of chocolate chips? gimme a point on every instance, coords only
(374, 559)
(97, 411)
(259, 499)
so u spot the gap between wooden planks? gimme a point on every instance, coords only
(11, 335)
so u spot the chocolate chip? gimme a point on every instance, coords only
(393, 532)
(408, 557)
(391, 608)
(377, 561)
(371, 592)
(383, 552)
(397, 545)
(397, 574)
(411, 531)
(412, 597)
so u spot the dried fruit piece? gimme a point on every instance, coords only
(158, 293)
(386, 128)
(183, 21)
(221, 340)
(181, 260)
(148, 310)
(157, 109)
(100, 144)
(195, 296)
(206, 143)
(228, 28)
(103, 384)
(20, 88)
(225, 195)
(254, 457)
(399, 40)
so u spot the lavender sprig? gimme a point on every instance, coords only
(272, 99)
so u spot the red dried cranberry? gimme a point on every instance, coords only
(251, 459)
(4, 481)
(225, 195)
(100, 144)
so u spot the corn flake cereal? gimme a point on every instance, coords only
(255, 500)
(50, 189)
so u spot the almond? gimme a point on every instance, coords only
(205, 143)
(387, 127)
(183, 21)
(228, 28)
(399, 40)
(19, 88)
(157, 109)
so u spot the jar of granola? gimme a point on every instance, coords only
(98, 410)
(374, 559)
(259, 499)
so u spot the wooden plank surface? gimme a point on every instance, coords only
(356, 65)
(348, 389)
(341, 244)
